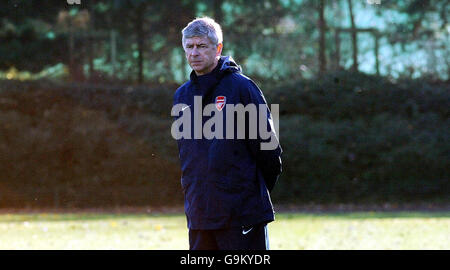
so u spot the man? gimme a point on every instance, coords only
(226, 181)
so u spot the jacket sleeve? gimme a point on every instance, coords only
(268, 161)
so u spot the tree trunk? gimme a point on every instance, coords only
(71, 51)
(337, 42)
(75, 57)
(140, 41)
(322, 30)
(91, 40)
(354, 36)
(218, 15)
(113, 38)
(377, 53)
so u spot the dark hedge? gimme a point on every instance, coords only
(348, 138)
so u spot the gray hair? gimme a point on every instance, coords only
(203, 27)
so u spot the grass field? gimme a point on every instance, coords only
(360, 230)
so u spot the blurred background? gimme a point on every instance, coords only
(86, 92)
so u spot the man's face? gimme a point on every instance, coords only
(201, 54)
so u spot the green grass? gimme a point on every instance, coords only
(362, 230)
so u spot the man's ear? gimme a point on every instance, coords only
(219, 49)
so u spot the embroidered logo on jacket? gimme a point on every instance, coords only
(220, 102)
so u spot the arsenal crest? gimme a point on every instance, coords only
(220, 102)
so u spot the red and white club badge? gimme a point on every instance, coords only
(220, 102)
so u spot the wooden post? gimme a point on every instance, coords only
(217, 6)
(71, 49)
(140, 35)
(91, 41)
(377, 60)
(184, 73)
(353, 32)
(337, 42)
(113, 39)
(322, 29)
(354, 37)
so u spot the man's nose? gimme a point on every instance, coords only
(194, 51)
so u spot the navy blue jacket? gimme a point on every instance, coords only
(226, 182)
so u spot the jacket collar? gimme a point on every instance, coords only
(204, 84)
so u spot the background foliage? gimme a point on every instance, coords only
(86, 93)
